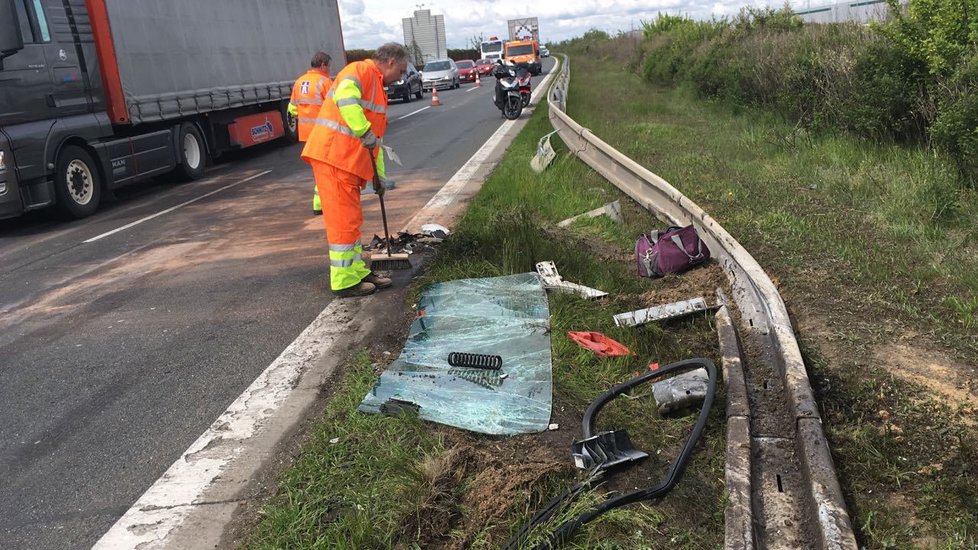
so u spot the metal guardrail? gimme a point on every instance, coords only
(792, 498)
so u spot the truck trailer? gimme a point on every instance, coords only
(96, 94)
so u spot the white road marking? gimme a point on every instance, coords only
(470, 89)
(176, 494)
(448, 194)
(172, 208)
(414, 112)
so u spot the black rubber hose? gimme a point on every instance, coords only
(675, 469)
(668, 482)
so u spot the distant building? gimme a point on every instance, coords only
(424, 36)
(853, 11)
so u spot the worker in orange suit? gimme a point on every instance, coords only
(345, 151)
(308, 94)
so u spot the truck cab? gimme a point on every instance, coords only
(47, 99)
(524, 53)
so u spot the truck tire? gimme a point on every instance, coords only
(77, 183)
(291, 125)
(191, 151)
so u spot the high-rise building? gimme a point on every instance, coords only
(424, 36)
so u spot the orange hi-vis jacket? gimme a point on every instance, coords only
(354, 105)
(308, 94)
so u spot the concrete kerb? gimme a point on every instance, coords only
(738, 514)
(193, 502)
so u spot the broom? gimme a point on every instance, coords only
(392, 262)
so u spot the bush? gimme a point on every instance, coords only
(912, 79)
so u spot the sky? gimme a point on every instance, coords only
(369, 23)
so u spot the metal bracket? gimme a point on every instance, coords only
(658, 313)
(553, 281)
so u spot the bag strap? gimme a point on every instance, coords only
(679, 244)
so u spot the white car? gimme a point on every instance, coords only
(544, 52)
(440, 73)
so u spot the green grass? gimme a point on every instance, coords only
(384, 483)
(875, 243)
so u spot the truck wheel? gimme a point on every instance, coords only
(291, 125)
(191, 151)
(76, 183)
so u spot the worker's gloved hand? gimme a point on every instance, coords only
(369, 140)
(379, 186)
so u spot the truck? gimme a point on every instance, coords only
(97, 94)
(524, 53)
(526, 28)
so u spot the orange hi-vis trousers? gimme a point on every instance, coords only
(343, 216)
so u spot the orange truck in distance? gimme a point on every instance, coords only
(525, 53)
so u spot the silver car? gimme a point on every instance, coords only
(440, 73)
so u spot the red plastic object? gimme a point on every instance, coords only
(601, 345)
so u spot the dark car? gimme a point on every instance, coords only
(466, 70)
(410, 83)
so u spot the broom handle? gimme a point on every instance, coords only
(383, 211)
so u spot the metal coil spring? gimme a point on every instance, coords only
(475, 360)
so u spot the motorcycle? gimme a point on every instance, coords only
(507, 92)
(523, 79)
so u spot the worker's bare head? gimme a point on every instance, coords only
(320, 60)
(392, 60)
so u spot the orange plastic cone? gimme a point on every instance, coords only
(477, 83)
(434, 96)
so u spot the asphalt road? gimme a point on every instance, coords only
(118, 352)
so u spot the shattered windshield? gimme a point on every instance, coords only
(502, 316)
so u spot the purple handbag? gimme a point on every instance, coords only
(671, 250)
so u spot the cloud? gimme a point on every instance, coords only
(367, 23)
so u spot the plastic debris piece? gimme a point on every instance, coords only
(601, 345)
(659, 313)
(545, 154)
(553, 281)
(681, 391)
(612, 210)
(553, 427)
(607, 449)
(435, 230)
(334, 441)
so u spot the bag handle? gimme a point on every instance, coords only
(679, 244)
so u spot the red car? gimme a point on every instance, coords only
(484, 66)
(466, 70)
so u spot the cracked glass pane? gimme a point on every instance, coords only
(505, 316)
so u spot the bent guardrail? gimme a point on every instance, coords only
(796, 498)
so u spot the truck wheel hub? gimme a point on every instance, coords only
(80, 182)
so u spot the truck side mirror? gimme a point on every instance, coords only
(11, 41)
